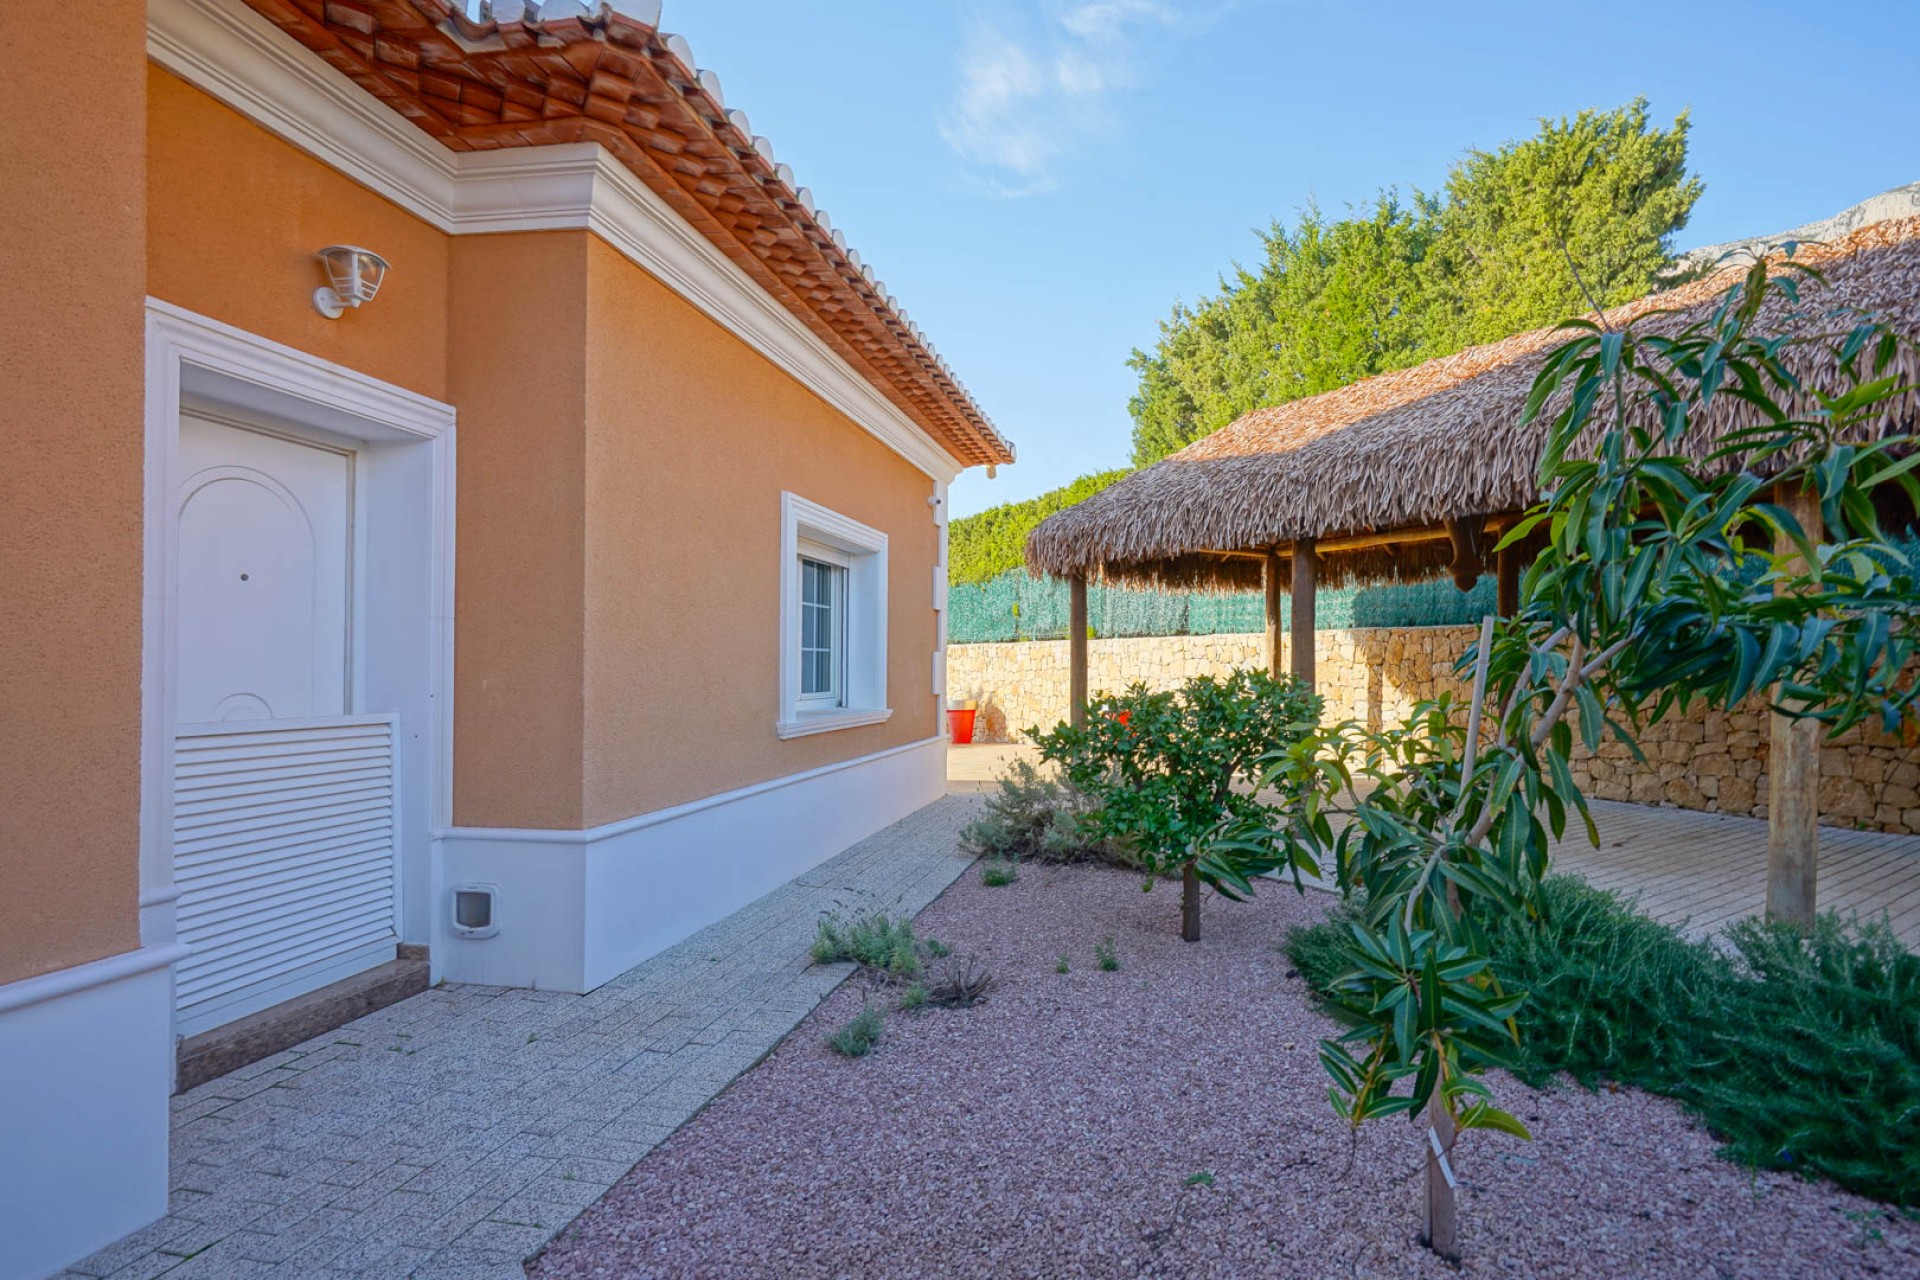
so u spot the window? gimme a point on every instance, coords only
(833, 616)
(823, 644)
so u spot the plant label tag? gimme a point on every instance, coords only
(1440, 1155)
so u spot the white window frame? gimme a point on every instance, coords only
(811, 531)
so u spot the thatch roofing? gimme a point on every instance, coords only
(1403, 452)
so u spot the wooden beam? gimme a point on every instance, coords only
(1077, 648)
(1495, 525)
(1271, 576)
(1230, 555)
(1306, 572)
(1793, 775)
(1469, 537)
(1507, 578)
(1384, 538)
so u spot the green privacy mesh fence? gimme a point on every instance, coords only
(1014, 606)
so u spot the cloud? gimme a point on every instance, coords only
(1107, 20)
(1026, 101)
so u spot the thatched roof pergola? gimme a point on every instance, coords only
(1413, 474)
(1374, 472)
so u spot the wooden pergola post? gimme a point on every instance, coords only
(1271, 580)
(1793, 776)
(1306, 573)
(1506, 577)
(1077, 649)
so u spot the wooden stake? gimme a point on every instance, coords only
(1306, 566)
(1793, 776)
(1272, 583)
(1077, 649)
(1443, 1211)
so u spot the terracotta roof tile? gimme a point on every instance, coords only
(528, 74)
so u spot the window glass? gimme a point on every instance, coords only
(822, 603)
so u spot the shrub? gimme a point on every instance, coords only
(1813, 1058)
(1034, 817)
(1162, 768)
(874, 942)
(1800, 1053)
(858, 1037)
(914, 997)
(995, 540)
(1105, 956)
(997, 874)
(961, 984)
(1610, 992)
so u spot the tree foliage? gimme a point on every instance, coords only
(1334, 302)
(1161, 768)
(982, 546)
(1801, 1052)
(1604, 191)
(1645, 597)
(1408, 280)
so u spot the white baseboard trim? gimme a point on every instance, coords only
(86, 1066)
(576, 908)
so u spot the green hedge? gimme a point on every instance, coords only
(981, 547)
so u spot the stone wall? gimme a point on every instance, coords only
(1714, 761)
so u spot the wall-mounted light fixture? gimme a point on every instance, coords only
(356, 274)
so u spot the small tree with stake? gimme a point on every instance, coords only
(1162, 769)
(1666, 576)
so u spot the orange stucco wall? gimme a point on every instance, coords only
(692, 435)
(236, 216)
(620, 462)
(71, 208)
(518, 378)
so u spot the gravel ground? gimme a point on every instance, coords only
(1052, 1131)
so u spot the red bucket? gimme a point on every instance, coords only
(960, 724)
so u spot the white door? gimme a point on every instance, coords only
(265, 544)
(283, 800)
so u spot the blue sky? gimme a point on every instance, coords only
(1038, 180)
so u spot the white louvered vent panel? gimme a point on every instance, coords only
(283, 856)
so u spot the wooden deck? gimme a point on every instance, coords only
(1701, 871)
(1706, 870)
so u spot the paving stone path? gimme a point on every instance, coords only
(454, 1133)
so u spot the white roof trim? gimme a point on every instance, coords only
(234, 54)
